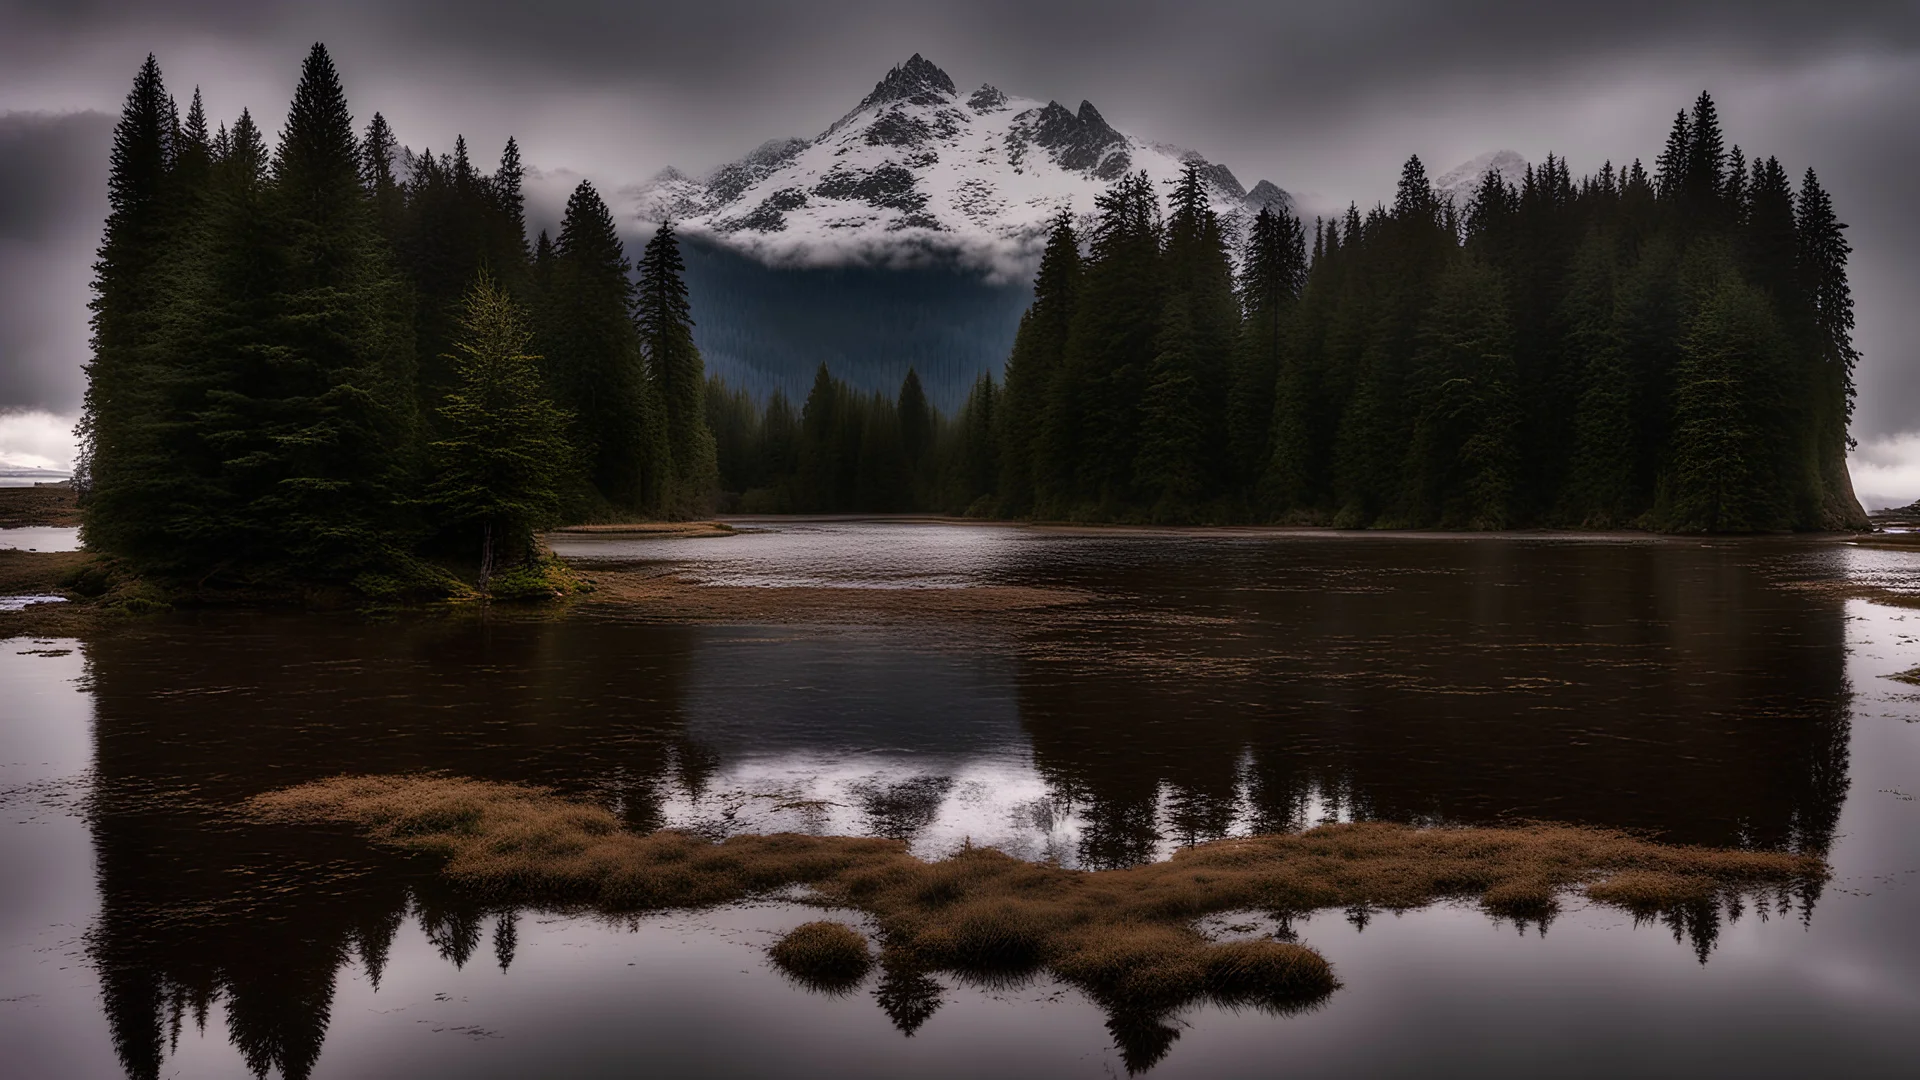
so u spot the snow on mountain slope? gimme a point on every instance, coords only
(921, 173)
(1459, 183)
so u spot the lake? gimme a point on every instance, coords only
(1212, 684)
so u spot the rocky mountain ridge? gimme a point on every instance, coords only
(919, 172)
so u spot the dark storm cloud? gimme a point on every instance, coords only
(51, 206)
(1317, 49)
(1325, 99)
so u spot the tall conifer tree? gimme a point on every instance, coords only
(597, 366)
(674, 366)
(125, 305)
(1036, 422)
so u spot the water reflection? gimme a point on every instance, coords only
(1213, 690)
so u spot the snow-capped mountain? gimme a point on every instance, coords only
(920, 172)
(1459, 183)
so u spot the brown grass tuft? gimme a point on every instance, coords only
(1648, 892)
(1126, 936)
(826, 956)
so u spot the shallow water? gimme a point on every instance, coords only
(41, 538)
(1214, 685)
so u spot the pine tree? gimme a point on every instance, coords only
(1601, 490)
(1272, 274)
(1170, 466)
(1670, 169)
(676, 372)
(377, 153)
(1728, 399)
(1035, 435)
(333, 433)
(114, 448)
(1704, 184)
(1093, 423)
(1463, 464)
(780, 462)
(596, 366)
(916, 427)
(1397, 255)
(504, 456)
(821, 454)
(882, 480)
(1198, 273)
(977, 463)
(1823, 276)
(193, 149)
(506, 219)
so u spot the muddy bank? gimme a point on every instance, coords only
(47, 507)
(669, 597)
(650, 530)
(43, 574)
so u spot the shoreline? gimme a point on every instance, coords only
(39, 507)
(619, 589)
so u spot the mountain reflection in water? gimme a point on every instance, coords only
(1213, 688)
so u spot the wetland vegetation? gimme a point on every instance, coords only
(1124, 935)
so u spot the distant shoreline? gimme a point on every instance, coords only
(619, 590)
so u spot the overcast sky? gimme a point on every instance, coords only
(1324, 99)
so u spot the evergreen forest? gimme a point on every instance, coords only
(331, 360)
(1667, 350)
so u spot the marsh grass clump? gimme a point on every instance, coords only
(1126, 936)
(826, 956)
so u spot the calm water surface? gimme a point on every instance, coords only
(1213, 686)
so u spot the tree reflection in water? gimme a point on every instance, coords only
(1261, 689)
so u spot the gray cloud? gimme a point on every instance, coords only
(52, 201)
(1325, 99)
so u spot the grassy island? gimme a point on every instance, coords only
(1125, 936)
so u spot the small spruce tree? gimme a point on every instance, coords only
(502, 460)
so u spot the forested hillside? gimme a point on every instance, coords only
(323, 359)
(328, 359)
(1667, 350)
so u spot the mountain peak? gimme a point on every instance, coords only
(920, 172)
(919, 81)
(987, 99)
(1461, 180)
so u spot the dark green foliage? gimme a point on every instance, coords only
(504, 454)
(1272, 273)
(1463, 461)
(126, 309)
(1623, 350)
(1035, 423)
(976, 451)
(1724, 470)
(275, 436)
(450, 224)
(1171, 464)
(276, 397)
(287, 385)
(675, 370)
(1092, 425)
(597, 368)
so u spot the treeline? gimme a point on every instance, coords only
(1668, 350)
(324, 359)
(847, 451)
